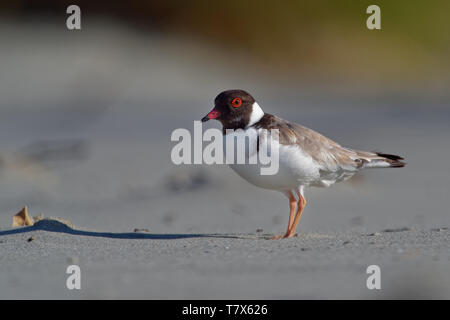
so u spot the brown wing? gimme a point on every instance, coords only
(324, 151)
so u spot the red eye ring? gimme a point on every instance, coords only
(236, 102)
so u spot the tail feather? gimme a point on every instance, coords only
(394, 160)
(381, 160)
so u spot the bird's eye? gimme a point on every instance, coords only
(236, 102)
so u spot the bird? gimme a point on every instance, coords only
(306, 157)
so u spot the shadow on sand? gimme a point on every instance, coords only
(60, 227)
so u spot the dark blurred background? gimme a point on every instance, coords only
(86, 115)
(313, 40)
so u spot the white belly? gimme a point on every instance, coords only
(295, 168)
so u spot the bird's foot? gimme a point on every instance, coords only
(281, 236)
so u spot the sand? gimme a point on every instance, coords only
(33, 260)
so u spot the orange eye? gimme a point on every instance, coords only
(237, 102)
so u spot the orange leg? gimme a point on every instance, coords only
(292, 206)
(301, 206)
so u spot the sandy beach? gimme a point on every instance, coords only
(413, 263)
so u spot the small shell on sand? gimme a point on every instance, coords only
(22, 218)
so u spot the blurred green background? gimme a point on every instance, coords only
(317, 40)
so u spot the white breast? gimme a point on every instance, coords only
(295, 167)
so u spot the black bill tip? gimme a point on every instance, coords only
(205, 118)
